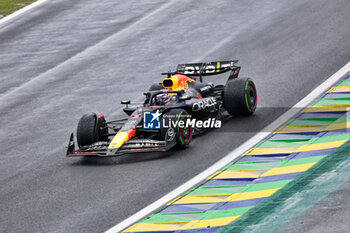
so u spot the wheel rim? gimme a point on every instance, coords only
(185, 132)
(251, 96)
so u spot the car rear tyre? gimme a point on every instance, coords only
(183, 133)
(91, 129)
(240, 97)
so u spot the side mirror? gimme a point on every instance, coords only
(125, 102)
(185, 97)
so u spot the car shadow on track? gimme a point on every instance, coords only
(123, 159)
(134, 157)
(252, 124)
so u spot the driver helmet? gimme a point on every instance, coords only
(164, 98)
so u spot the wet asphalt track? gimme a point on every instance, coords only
(67, 58)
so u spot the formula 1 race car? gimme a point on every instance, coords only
(172, 112)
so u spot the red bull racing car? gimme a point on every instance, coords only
(172, 112)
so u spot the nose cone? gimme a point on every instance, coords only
(120, 138)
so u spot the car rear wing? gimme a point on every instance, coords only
(210, 68)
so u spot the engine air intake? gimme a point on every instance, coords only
(167, 83)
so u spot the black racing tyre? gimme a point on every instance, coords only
(240, 97)
(90, 129)
(183, 134)
(156, 87)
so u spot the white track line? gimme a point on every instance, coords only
(233, 154)
(21, 11)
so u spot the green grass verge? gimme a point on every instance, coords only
(9, 6)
